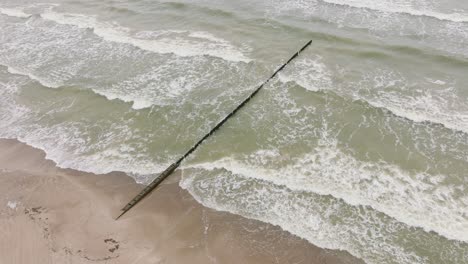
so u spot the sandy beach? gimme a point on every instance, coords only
(54, 215)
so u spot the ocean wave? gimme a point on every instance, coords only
(43, 81)
(310, 73)
(403, 7)
(416, 199)
(180, 42)
(10, 112)
(137, 104)
(439, 106)
(104, 162)
(321, 219)
(432, 101)
(14, 12)
(69, 143)
(422, 110)
(154, 84)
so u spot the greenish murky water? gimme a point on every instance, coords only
(361, 144)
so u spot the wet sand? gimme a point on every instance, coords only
(54, 215)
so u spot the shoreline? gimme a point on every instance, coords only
(55, 215)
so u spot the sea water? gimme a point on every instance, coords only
(360, 144)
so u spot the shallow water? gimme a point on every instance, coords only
(361, 144)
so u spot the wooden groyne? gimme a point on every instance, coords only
(163, 175)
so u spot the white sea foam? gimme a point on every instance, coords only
(12, 204)
(417, 199)
(14, 12)
(404, 7)
(440, 106)
(10, 112)
(424, 108)
(310, 73)
(65, 145)
(439, 82)
(42, 81)
(181, 43)
(325, 222)
(160, 86)
(137, 102)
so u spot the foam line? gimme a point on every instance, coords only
(391, 6)
(411, 199)
(182, 43)
(14, 12)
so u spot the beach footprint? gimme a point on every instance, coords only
(114, 245)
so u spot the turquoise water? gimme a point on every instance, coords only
(361, 144)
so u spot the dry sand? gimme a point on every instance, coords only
(53, 215)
